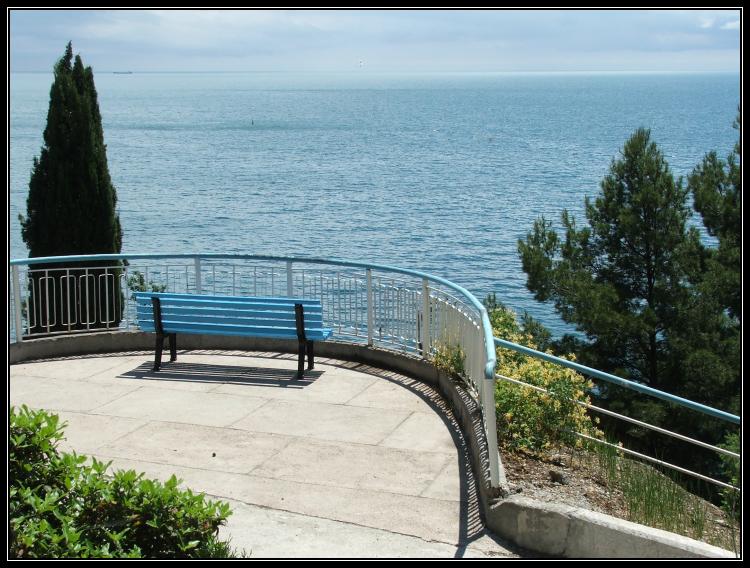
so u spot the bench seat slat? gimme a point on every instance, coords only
(216, 304)
(231, 299)
(245, 322)
(219, 310)
(313, 334)
(270, 318)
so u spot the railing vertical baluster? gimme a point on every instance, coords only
(198, 283)
(67, 303)
(289, 280)
(127, 311)
(88, 301)
(370, 314)
(425, 318)
(46, 297)
(490, 421)
(17, 302)
(106, 296)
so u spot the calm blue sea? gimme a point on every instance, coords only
(442, 173)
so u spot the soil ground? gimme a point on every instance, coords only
(574, 478)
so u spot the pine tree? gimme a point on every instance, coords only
(655, 305)
(619, 279)
(717, 192)
(71, 208)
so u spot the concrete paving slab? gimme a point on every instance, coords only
(86, 433)
(429, 519)
(393, 395)
(207, 409)
(449, 484)
(204, 447)
(83, 368)
(140, 373)
(354, 466)
(323, 421)
(255, 531)
(327, 385)
(64, 393)
(422, 432)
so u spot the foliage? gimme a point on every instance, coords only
(619, 278)
(71, 205)
(62, 508)
(450, 359)
(656, 306)
(528, 419)
(731, 499)
(716, 187)
(657, 499)
(137, 283)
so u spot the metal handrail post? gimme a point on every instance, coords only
(370, 308)
(198, 284)
(425, 318)
(16, 283)
(289, 280)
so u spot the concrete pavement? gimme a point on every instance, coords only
(352, 461)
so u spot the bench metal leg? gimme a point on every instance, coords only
(301, 360)
(158, 350)
(310, 357)
(173, 347)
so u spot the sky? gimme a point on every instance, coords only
(379, 41)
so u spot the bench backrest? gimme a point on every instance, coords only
(231, 315)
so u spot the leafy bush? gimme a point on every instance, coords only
(62, 508)
(137, 283)
(450, 359)
(528, 419)
(731, 469)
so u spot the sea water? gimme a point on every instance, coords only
(437, 172)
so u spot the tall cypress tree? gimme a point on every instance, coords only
(71, 209)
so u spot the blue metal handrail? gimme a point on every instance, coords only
(620, 381)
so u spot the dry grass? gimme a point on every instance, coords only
(621, 488)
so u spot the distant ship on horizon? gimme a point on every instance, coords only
(122, 72)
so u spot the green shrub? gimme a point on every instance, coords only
(731, 469)
(60, 507)
(528, 419)
(450, 359)
(137, 283)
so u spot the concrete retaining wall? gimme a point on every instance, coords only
(548, 528)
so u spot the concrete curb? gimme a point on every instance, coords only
(548, 528)
(570, 532)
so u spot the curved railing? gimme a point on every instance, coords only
(383, 306)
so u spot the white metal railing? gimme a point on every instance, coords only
(382, 306)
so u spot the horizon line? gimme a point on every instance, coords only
(385, 72)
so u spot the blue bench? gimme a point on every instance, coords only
(285, 318)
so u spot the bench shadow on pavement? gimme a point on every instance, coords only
(226, 374)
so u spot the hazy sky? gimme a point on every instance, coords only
(413, 41)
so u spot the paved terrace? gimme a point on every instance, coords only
(352, 461)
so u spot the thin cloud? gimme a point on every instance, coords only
(412, 40)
